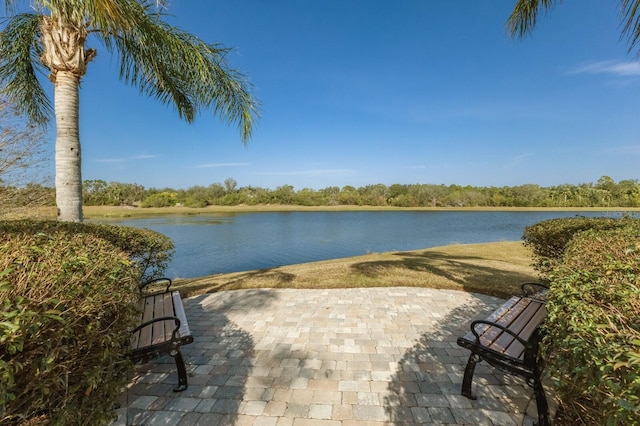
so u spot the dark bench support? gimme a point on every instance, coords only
(163, 328)
(509, 339)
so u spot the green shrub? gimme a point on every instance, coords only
(68, 296)
(151, 251)
(548, 239)
(593, 328)
(161, 199)
(195, 202)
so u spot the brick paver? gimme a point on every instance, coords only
(375, 356)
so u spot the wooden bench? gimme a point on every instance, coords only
(163, 327)
(509, 339)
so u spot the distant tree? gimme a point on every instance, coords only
(528, 195)
(435, 194)
(310, 197)
(397, 190)
(230, 185)
(215, 192)
(629, 190)
(164, 62)
(129, 193)
(331, 195)
(94, 192)
(161, 199)
(196, 196)
(23, 159)
(374, 195)
(525, 16)
(234, 199)
(284, 194)
(404, 200)
(350, 196)
(256, 195)
(606, 183)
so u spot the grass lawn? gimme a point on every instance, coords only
(495, 269)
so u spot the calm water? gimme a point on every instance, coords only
(211, 244)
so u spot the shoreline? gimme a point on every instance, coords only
(495, 269)
(128, 212)
(119, 212)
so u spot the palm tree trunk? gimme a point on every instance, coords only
(68, 158)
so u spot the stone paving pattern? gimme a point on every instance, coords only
(288, 357)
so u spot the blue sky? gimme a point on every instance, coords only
(357, 92)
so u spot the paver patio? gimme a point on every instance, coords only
(374, 356)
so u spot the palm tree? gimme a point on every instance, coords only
(164, 62)
(525, 16)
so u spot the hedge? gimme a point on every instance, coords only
(593, 328)
(69, 298)
(548, 239)
(151, 251)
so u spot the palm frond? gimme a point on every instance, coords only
(20, 52)
(630, 10)
(10, 5)
(178, 68)
(525, 16)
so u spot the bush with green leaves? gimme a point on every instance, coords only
(548, 239)
(593, 327)
(68, 298)
(161, 199)
(151, 251)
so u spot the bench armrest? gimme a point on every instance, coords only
(145, 284)
(147, 323)
(501, 327)
(535, 290)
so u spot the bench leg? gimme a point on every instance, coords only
(182, 370)
(468, 375)
(541, 401)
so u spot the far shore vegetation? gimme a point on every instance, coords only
(115, 199)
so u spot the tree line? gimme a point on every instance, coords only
(604, 193)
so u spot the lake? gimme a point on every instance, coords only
(232, 242)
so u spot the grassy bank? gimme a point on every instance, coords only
(491, 268)
(124, 212)
(96, 212)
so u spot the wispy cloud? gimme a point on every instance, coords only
(126, 159)
(314, 172)
(521, 156)
(213, 165)
(623, 69)
(414, 167)
(625, 149)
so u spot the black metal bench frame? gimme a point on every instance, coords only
(509, 339)
(163, 327)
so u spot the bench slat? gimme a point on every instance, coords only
(182, 316)
(520, 315)
(165, 333)
(157, 328)
(503, 316)
(145, 334)
(514, 348)
(523, 325)
(163, 330)
(157, 306)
